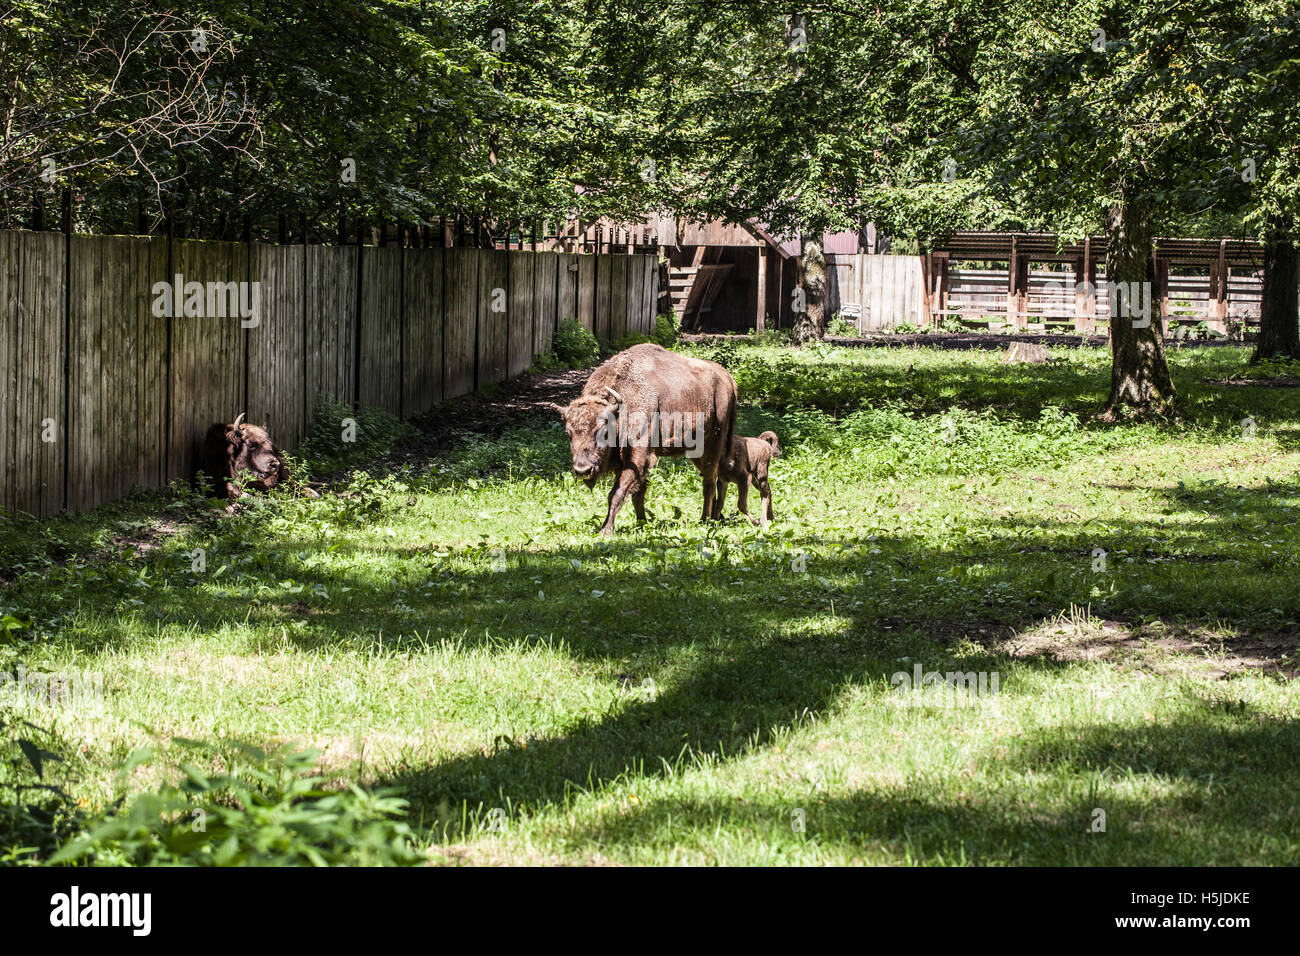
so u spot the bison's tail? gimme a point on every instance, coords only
(770, 438)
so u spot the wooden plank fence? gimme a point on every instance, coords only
(111, 371)
(881, 291)
(875, 292)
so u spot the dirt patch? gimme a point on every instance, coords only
(1158, 647)
(489, 411)
(145, 540)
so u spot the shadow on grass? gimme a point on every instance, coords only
(1228, 802)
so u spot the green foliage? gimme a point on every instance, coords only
(268, 811)
(629, 340)
(841, 328)
(1274, 367)
(667, 327)
(574, 344)
(36, 812)
(374, 431)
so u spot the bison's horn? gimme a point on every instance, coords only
(617, 397)
(239, 420)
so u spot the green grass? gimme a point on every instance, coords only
(688, 694)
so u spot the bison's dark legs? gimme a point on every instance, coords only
(710, 490)
(742, 500)
(719, 498)
(638, 500)
(626, 483)
(765, 490)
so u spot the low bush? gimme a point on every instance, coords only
(340, 435)
(574, 345)
(268, 811)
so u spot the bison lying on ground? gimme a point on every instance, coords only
(644, 402)
(748, 462)
(231, 450)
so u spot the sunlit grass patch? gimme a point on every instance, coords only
(685, 693)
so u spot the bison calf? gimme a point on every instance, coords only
(748, 463)
(231, 451)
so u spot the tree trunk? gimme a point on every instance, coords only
(1279, 330)
(812, 280)
(1139, 379)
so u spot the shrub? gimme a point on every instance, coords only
(269, 811)
(36, 813)
(841, 327)
(667, 326)
(574, 344)
(376, 432)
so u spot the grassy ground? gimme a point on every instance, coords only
(689, 694)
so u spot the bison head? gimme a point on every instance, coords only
(591, 424)
(249, 448)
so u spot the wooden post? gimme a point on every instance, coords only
(760, 316)
(1212, 294)
(1219, 314)
(1160, 290)
(1018, 289)
(941, 290)
(1012, 318)
(927, 283)
(780, 290)
(1085, 290)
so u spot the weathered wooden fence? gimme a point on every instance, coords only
(117, 353)
(875, 292)
(879, 291)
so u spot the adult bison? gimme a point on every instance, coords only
(230, 451)
(644, 402)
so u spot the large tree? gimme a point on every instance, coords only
(488, 108)
(1110, 111)
(1265, 100)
